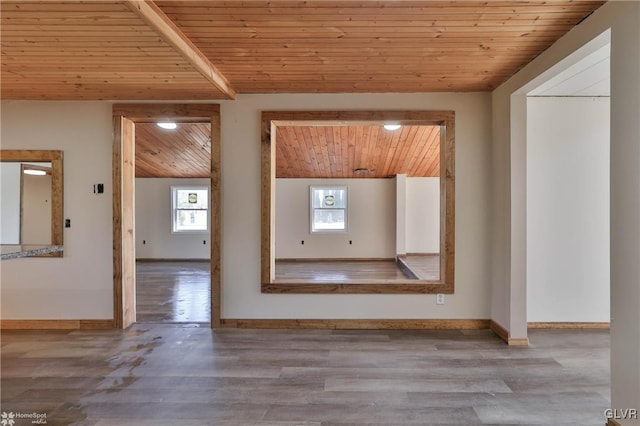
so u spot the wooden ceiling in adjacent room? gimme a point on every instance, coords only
(357, 151)
(181, 153)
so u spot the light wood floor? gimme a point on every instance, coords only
(173, 291)
(163, 374)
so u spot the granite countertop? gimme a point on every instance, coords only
(15, 251)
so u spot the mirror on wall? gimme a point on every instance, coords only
(31, 204)
(358, 202)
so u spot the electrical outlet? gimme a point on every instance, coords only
(439, 299)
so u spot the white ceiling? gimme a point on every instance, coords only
(589, 77)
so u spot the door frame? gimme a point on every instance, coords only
(125, 116)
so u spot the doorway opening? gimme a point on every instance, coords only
(164, 185)
(568, 193)
(172, 209)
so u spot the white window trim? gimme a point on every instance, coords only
(174, 191)
(312, 209)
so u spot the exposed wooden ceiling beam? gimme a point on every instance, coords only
(155, 18)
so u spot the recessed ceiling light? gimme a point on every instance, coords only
(169, 125)
(34, 172)
(391, 126)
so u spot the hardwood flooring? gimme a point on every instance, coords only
(424, 266)
(173, 291)
(337, 270)
(421, 267)
(168, 374)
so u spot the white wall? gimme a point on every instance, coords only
(401, 214)
(80, 284)
(36, 209)
(241, 211)
(568, 209)
(423, 215)
(509, 201)
(154, 239)
(509, 117)
(10, 202)
(371, 220)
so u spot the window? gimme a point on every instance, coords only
(190, 209)
(328, 208)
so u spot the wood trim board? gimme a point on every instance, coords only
(518, 342)
(355, 286)
(376, 324)
(57, 324)
(216, 220)
(569, 325)
(500, 331)
(503, 334)
(336, 259)
(156, 19)
(152, 260)
(116, 204)
(183, 113)
(123, 172)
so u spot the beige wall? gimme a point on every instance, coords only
(36, 209)
(241, 211)
(154, 239)
(370, 226)
(10, 203)
(80, 284)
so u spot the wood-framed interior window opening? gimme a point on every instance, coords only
(443, 120)
(49, 162)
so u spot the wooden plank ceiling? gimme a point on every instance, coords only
(207, 50)
(181, 153)
(373, 46)
(128, 50)
(92, 50)
(357, 151)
